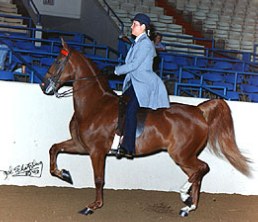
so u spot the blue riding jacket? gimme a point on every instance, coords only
(148, 86)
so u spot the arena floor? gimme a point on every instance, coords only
(55, 204)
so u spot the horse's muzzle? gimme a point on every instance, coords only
(48, 86)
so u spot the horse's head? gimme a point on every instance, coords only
(59, 72)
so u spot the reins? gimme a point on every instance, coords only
(55, 78)
(69, 92)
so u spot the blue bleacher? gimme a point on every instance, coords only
(217, 72)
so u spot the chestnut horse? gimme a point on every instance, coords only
(182, 130)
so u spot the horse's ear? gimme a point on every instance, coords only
(64, 44)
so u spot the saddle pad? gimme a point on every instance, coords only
(141, 117)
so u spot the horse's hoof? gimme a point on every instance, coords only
(66, 176)
(86, 211)
(183, 213)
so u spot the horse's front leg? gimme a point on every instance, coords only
(98, 164)
(68, 146)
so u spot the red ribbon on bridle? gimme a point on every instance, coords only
(64, 52)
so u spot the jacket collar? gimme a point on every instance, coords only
(140, 37)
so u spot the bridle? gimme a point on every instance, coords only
(55, 78)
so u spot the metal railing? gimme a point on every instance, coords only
(111, 11)
(35, 10)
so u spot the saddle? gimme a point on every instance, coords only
(141, 117)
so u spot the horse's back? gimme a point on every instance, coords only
(173, 128)
(176, 112)
(178, 109)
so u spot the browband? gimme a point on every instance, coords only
(64, 52)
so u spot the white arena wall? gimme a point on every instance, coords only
(30, 122)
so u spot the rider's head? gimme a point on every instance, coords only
(141, 23)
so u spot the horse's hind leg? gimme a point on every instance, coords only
(189, 192)
(68, 146)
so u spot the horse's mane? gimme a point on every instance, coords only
(95, 71)
(92, 65)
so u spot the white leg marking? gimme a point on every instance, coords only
(185, 210)
(184, 191)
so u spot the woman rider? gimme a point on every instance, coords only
(142, 86)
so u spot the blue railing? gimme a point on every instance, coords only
(239, 78)
(255, 54)
(70, 38)
(187, 88)
(22, 46)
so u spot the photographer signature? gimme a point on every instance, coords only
(32, 169)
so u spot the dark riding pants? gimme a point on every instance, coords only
(130, 120)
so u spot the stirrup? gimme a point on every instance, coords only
(122, 152)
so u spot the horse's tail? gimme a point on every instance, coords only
(222, 135)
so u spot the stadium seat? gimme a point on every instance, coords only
(6, 75)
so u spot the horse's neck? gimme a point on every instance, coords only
(88, 92)
(89, 86)
(87, 89)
